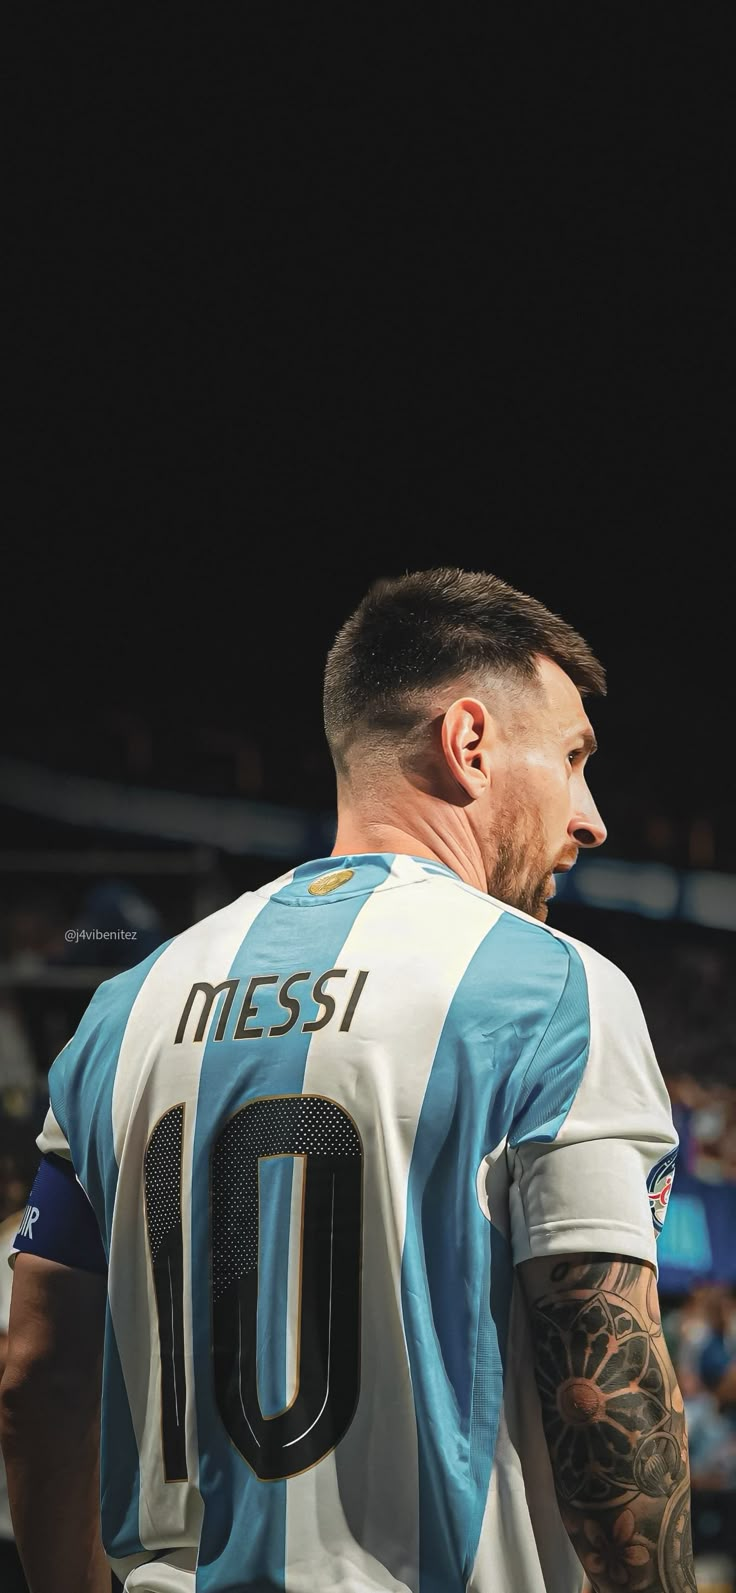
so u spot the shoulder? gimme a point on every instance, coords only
(519, 975)
(606, 982)
(528, 944)
(534, 954)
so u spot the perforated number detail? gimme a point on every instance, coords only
(162, 1185)
(328, 1356)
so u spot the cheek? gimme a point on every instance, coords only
(549, 790)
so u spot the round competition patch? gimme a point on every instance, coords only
(659, 1186)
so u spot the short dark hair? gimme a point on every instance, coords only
(418, 630)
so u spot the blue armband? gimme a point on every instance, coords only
(58, 1222)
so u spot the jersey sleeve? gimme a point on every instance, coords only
(592, 1147)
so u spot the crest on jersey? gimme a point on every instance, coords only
(330, 882)
(659, 1186)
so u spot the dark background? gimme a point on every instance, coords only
(299, 301)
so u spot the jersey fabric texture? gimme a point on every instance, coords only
(317, 1131)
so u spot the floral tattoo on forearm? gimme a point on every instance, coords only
(615, 1428)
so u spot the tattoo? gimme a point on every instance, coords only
(675, 1559)
(615, 1271)
(602, 1389)
(615, 1428)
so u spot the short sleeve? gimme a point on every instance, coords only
(592, 1147)
(78, 1074)
(52, 1139)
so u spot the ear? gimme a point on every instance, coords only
(468, 735)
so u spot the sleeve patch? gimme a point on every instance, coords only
(659, 1188)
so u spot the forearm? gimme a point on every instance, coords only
(615, 1427)
(51, 1450)
(643, 1544)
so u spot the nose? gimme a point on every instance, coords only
(586, 827)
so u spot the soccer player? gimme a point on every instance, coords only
(349, 1194)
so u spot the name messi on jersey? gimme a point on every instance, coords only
(246, 1027)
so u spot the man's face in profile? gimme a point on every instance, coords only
(540, 809)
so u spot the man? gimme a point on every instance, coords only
(365, 1157)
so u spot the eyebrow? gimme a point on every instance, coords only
(587, 739)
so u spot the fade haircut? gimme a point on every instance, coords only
(418, 631)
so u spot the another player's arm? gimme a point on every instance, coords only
(613, 1418)
(50, 1424)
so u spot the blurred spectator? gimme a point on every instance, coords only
(14, 1184)
(30, 928)
(12, 1579)
(19, 1158)
(705, 1117)
(689, 996)
(718, 1349)
(701, 1337)
(19, 1080)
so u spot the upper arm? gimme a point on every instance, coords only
(544, 1277)
(57, 1326)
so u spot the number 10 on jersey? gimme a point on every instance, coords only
(322, 1133)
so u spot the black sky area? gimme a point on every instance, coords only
(299, 305)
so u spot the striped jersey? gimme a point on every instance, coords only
(317, 1131)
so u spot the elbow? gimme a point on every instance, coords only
(18, 1391)
(28, 1385)
(13, 1408)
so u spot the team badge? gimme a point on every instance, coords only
(330, 882)
(659, 1186)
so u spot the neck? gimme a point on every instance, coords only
(455, 845)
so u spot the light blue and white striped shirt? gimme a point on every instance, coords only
(318, 1130)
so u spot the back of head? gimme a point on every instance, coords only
(418, 632)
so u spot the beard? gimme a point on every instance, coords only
(520, 872)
